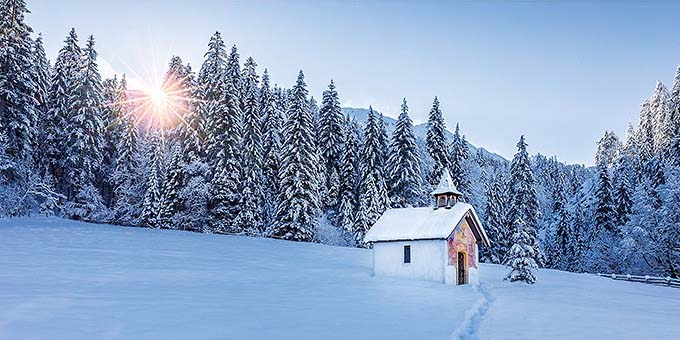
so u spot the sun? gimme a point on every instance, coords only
(158, 96)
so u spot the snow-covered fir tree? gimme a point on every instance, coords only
(170, 200)
(374, 198)
(522, 254)
(403, 164)
(659, 110)
(17, 86)
(65, 75)
(42, 77)
(154, 180)
(557, 245)
(330, 148)
(523, 200)
(84, 139)
(298, 200)
(437, 147)
(608, 149)
(271, 111)
(349, 180)
(494, 221)
(128, 176)
(457, 166)
(233, 75)
(249, 218)
(224, 141)
(606, 235)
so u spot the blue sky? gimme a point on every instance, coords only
(559, 73)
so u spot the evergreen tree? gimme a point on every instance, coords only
(129, 193)
(224, 142)
(436, 143)
(606, 233)
(622, 199)
(296, 215)
(271, 108)
(152, 198)
(667, 246)
(170, 200)
(17, 86)
(659, 110)
(330, 145)
(42, 77)
(459, 170)
(233, 75)
(249, 218)
(113, 130)
(65, 76)
(523, 203)
(645, 133)
(521, 256)
(349, 180)
(559, 227)
(494, 222)
(404, 164)
(85, 135)
(373, 200)
(608, 149)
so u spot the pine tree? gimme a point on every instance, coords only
(233, 75)
(129, 193)
(559, 227)
(658, 105)
(296, 215)
(373, 200)
(645, 136)
(65, 76)
(404, 164)
(152, 197)
(606, 233)
(622, 199)
(608, 149)
(249, 218)
(667, 247)
(458, 167)
(85, 137)
(224, 142)
(42, 77)
(330, 145)
(170, 200)
(521, 256)
(494, 222)
(113, 130)
(17, 86)
(349, 180)
(271, 108)
(436, 143)
(523, 204)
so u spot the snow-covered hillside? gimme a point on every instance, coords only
(61, 279)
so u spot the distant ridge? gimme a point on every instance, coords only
(360, 114)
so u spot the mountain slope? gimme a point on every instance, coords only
(62, 279)
(419, 130)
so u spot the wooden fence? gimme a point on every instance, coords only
(665, 281)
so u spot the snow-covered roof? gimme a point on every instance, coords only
(446, 186)
(424, 224)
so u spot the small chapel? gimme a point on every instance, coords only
(437, 243)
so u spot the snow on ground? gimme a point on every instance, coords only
(68, 280)
(565, 305)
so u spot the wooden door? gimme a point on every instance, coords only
(461, 268)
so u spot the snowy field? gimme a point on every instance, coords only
(68, 280)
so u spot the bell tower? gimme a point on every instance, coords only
(445, 194)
